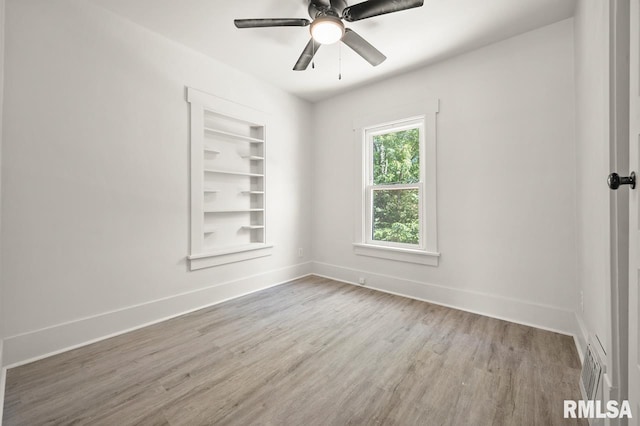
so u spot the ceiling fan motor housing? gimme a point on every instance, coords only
(320, 8)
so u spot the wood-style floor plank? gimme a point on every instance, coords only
(312, 352)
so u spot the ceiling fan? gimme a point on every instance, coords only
(326, 26)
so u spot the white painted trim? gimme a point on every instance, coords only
(231, 108)
(426, 111)
(369, 135)
(201, 103)
(231, 255)
(196, 165)
(619, 125)
(545, 317)
(3, 381)
(581, 337)
(397, 253)
(3, 371)
(34, 345)
(231, 250)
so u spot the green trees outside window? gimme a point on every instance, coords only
(396, 201)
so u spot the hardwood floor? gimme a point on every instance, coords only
(310, 352)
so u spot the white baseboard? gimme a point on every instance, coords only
(581, 337)
(518, 311)
(3, 381)
(27, 347)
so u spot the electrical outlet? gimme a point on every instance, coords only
(300, 252)
(362, 280)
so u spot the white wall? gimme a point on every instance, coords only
(95, 201)
(2, 320)
(592, 141)
(506, 181)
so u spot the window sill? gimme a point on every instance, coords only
(230, 255)
(400, 254)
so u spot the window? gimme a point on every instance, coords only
(396, 184)
(398, 211)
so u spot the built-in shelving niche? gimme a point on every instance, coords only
(228, 182)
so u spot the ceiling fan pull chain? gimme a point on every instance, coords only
(340, 61)
(313, 53)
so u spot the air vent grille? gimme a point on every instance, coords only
(591, 373)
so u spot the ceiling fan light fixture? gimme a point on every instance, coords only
(327, 29)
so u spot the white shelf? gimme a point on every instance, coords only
(232, 210)
(233, 135)
(228, 163)
(225, 172)
(230, 250)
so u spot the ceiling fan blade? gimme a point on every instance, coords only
(371, 8)
(338, 5)
(307, 55)
(363, 48)
(261, 23)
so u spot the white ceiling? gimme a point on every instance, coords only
(409, 39)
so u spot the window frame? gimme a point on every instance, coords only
(426, 251)
(369, 134)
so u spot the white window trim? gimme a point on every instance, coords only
(426, 252)
(369, 134)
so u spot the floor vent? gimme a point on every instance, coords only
(591, 373)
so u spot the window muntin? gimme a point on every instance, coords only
(395, 184)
